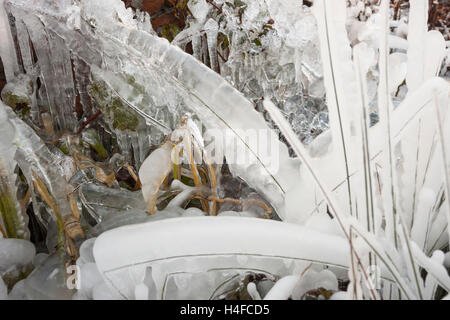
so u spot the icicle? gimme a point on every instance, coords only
(48, 76)
(7, 49)
(212, 29)
(12, 216)
(417, 29)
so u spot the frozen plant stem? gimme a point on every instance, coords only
(443, 145)
(302, 154)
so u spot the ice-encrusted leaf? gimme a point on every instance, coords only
(434, 269)
(426, 49)
(339, 82)
(417, 29)
(163, 83)
(239, 243)
(435, 50)
(397, 69)
(13, 217)
(7, 50)
(152, 173)
(314, 173)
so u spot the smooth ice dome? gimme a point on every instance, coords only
(15, 252)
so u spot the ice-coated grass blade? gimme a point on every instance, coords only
(301, 152)
(331, 35)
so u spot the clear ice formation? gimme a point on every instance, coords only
(28, 151)
(97, 56)
(193, 268)
(15, 252)
(267, 50)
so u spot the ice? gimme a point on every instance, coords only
(434, 266)
(340, 295)
(17, 93)
(154, 170)
(267, 57)
(104, 292)
(447, 260)
(101, 12)
(143, 86)
(417, 29)
(84, 59)
(322, 222)
(86, 252)
(18, 292)
(13, 217)
(212, 29)
(253, 291)
(199, 9)
(3, 290)
(35, 159)
(283, 288)
(7, 51)
(89, 278)
(313, 280)
(116, 251)
(141, 292)
(48, 281)
(397, 68)
(101, 201)
(132, 209)
(15, 253)
(39, 259)
(237, 214)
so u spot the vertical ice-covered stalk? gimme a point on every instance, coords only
(212, 29)
(417, 29)
(13, 219)
(444, 134)
(385, 113)
(24, 46)
(340, 85)
(50, 68)
(7, 50)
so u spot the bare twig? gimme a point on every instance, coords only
(3, 232)
(397, 8)
(88, 121)
(211, 2)
(134, 176)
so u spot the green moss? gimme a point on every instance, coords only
(15, 101)
(113, 108)
(169, 31)
(25, 112)
(181, 4)
(257, 42)
(100, 149)
(137, 91)
(223, 41)
(8, 210)
(124, 185)
(92, 138)
(124, 120)
(99, 90)
(130, 79)
(64, 148)
(123, 117)
(239, 3)
(12, 277)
